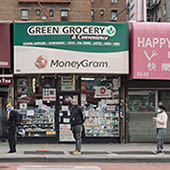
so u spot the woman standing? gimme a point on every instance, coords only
(161, 124)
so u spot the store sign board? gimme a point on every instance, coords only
(5, 46)
(150, 45)
(5, 80)
(70, 47)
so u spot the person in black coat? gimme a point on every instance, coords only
(12, 125)
(76, 121)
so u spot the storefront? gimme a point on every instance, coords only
(5, 75)
(54, 62)
(149, 83)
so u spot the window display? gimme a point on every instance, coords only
(100, 101)
(35, 100)
(142, 101)
(38, 122)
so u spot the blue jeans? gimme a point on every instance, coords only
(160, 138)
(77, 134)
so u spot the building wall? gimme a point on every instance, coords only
(9, 10)
(107, 6)
(78, 10)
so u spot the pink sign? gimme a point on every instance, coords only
(150, 50)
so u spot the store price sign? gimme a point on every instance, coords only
(49, 94)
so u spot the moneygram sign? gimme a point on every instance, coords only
(71, 47)
(78, 64)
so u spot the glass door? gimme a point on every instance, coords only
(65, 134)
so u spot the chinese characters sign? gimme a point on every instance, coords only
(150, 45)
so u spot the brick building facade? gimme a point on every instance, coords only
(63, 10)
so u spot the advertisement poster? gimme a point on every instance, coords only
(65, 133)
(49, 94)
(71, 47)
(102, 92)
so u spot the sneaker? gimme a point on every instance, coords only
(159, 151)
(11, 151)
(76, 152)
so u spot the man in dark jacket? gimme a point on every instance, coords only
(76, 121)
(12, 123)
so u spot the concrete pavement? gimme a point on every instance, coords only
(115, 153)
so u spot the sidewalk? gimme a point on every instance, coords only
(134, 152)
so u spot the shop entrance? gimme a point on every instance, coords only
(99, 98)
(64, 104)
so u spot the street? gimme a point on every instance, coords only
(87, 166)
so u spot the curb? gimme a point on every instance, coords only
(46, 159)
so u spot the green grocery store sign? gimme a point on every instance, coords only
(102, 32)
(63, 44)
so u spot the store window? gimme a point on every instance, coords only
(35, 99)
(142, 101)
(24, 14)
(100, 103)
(164, 99)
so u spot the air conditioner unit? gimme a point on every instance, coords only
(44, 18)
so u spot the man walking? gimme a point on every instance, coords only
(12, 123)
(161, 124)
(76, 121)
